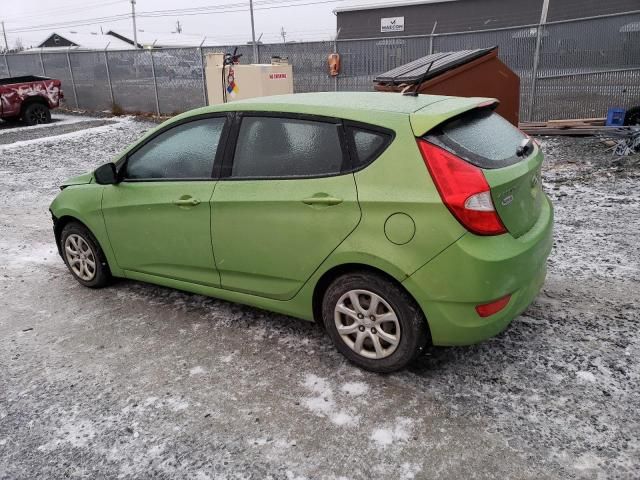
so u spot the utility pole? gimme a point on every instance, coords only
(4, 34)
(536, 57)
(283, 34)
(253, 34)
(135, 30)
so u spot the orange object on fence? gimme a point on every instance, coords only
(334, 64)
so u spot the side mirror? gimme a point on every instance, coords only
(106, 174)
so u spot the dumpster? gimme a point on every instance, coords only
(465, 73)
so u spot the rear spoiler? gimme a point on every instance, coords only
(432, 115)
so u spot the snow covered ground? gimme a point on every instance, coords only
(139, 381)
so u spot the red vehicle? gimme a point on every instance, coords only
(29, 98)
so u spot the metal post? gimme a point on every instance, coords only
(335, 50)
(44, 72)
(106, 64)
(133, 17)
(536, 58)
(253, 35)
(202, 72)
(433, 31)
(73, 82)
(4, 34)
(155, 83)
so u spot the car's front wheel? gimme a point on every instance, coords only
(374, 322)
(83, 256)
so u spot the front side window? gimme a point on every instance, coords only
(183, 152)
(286, 147)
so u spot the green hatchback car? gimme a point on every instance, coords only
(394, 221)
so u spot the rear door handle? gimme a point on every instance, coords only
(186, 202)
(322, 200)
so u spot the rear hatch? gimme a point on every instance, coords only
(509, 160)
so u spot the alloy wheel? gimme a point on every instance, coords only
(38, 116)
(80, 257)
(367, 324)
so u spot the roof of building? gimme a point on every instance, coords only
(374, 6)
(87, 41)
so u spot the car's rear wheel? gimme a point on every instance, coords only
(36, 113)
(83, 256)
(374, 322)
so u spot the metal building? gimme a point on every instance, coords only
(417, 17)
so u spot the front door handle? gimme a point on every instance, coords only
(322, 200)
(186, 202)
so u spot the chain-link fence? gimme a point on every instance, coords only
(567, 69)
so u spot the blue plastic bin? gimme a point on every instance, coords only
(615, 117)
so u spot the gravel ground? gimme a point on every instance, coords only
(139, 381)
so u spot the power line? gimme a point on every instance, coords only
(79, 23)
(261, 5)
(64, 11)
(213, 10)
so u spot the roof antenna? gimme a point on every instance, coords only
(418, 82)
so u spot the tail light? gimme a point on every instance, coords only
(463, 189)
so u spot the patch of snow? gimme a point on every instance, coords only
(586, 376)
(399, 432)
(177, 405)
(66, 136)
(355, 388)
(323, 404)
(587, 462)
(76, 432)
(227, 358)
(408, 471)
(38, 254)
(197, 371)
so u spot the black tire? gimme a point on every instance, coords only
(413, 328)
(36, 114)
(101, 273)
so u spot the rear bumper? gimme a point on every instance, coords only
(477, 270)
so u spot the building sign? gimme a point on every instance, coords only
(392, 24)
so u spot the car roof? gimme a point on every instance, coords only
(332, 103)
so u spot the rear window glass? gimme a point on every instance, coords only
(367, 144)
(482, 137)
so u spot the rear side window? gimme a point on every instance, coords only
(482, 137)
(269, 147)
(367, 144)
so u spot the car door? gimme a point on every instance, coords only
(158, 217)
(284, 202)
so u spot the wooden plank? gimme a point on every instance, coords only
(580, 130)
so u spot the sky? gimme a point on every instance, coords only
(31, 22)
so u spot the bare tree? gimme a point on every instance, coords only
(18, 46)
